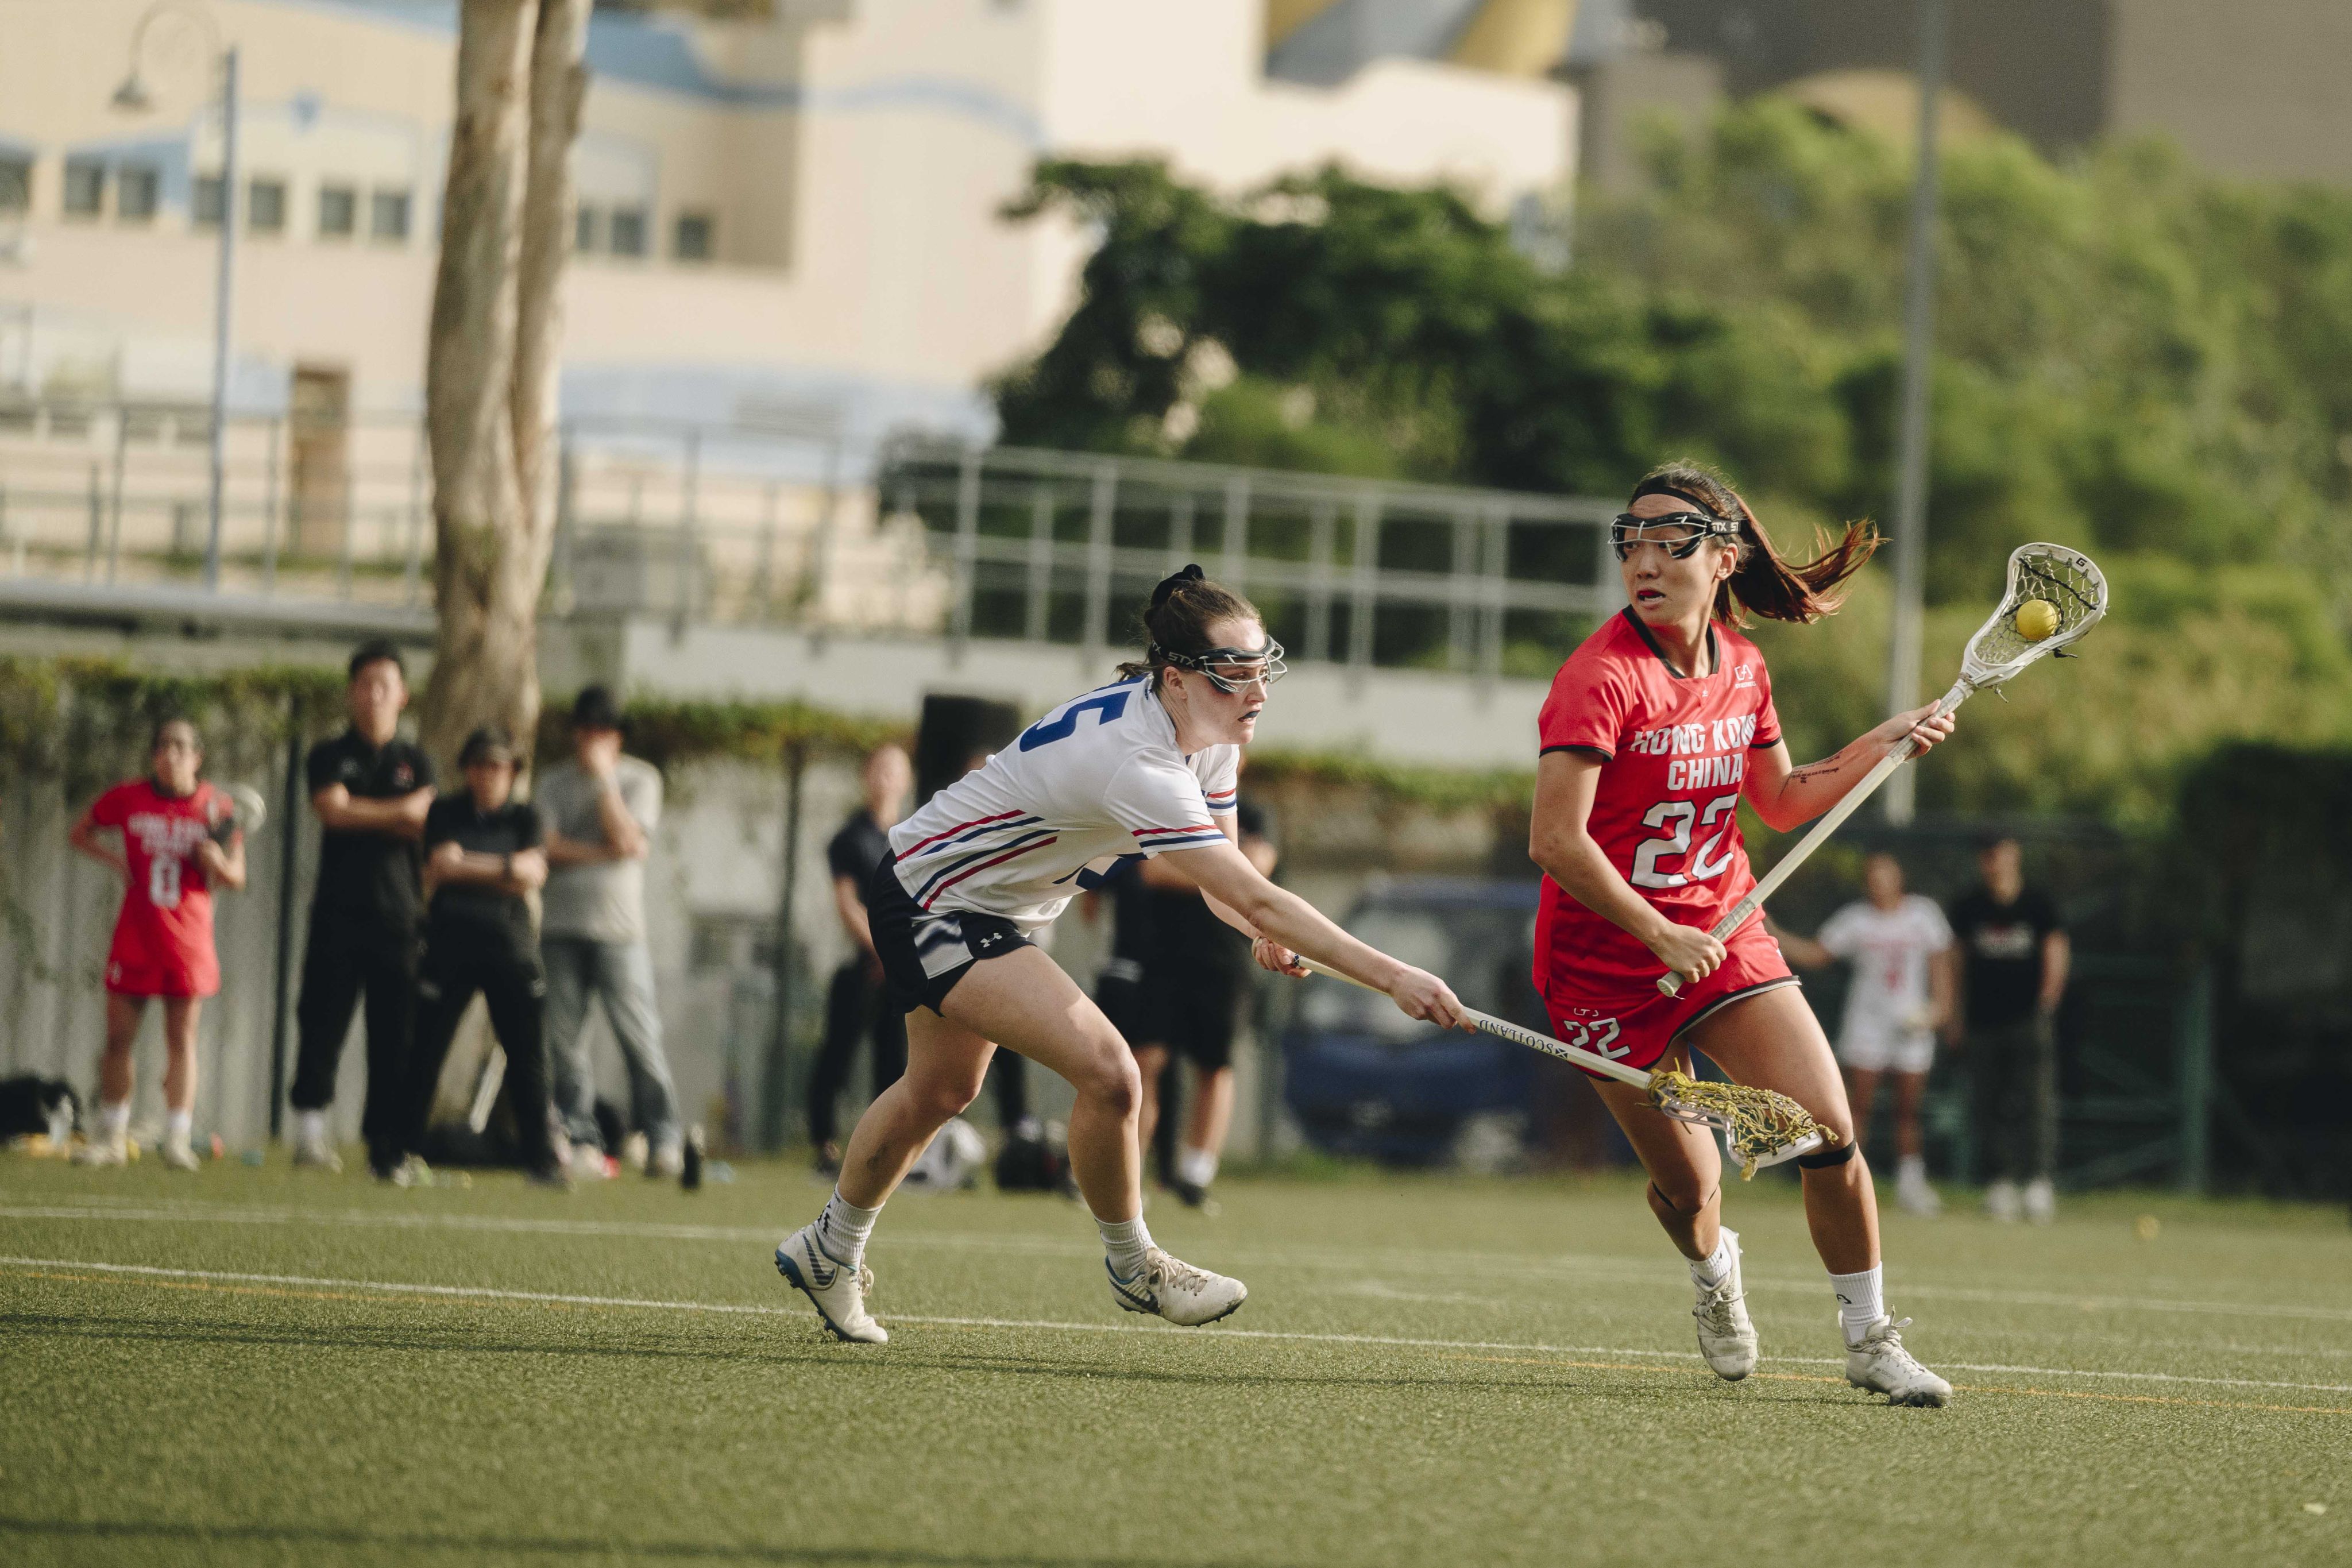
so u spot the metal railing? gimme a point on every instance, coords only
(785, 524)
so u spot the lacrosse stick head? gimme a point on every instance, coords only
(2062, 578)
(1763, 1128)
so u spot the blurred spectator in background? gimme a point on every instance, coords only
(1174, 987)
(1901, 993)
(179, 838)
(857, 1001)
(371, 790)
(482, 860)
(598, 811)
(2013, 957)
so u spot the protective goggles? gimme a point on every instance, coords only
(1230, 670)
(1681, 532)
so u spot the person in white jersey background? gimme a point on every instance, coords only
(1901, 993)
(1142, 767)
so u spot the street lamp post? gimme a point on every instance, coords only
(1906, 635)
(132, 95)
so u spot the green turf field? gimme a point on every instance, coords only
(245, 1366)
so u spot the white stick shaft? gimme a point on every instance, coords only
(1831, 820)
(1503, 1028)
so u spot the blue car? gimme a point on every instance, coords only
(1363, 1079)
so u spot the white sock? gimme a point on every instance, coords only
(1127, 1241)
(309, 1127)
(1860, 1300)
(176, 1125)
(1715, 1268)
(1911, 1169)
(1197, 1166)
(843, 1227)
(114, 1119)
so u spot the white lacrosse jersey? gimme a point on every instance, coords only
(1889, 949)
(1097, 781)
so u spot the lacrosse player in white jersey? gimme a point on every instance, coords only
(1144, 766)
(1901, 950)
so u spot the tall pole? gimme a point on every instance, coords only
(1919, 350)
(225, 277)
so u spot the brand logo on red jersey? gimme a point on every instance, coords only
(1743, 675)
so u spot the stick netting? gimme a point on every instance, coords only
(1759, 1123)
(2065, 579)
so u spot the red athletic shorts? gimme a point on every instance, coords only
(1638, 1028)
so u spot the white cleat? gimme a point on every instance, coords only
(1916, 1196)
(316, 1154)
(177, 1155)
(104, 1151)
(1725, 1336)
(2001, 1201)
(837, 1291)
(1167, 1287)
(2040, 1201)
(1878, 1363)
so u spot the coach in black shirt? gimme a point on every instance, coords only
(858, 1003)
(482, 860)
(371, 791)
(2014, 960)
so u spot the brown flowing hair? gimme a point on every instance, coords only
(1183, 608)
(1765, 582)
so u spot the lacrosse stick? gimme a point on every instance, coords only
(2074, 595)
(1762, 1128)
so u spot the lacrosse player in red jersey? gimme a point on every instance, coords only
(1654, 731)
(179, 839)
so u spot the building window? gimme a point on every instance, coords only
(629, 231)
(85, 187)
(587, 228)
(388, 216)
(693, 239)
(265, 206)
(339, 212)
(135, 189)
(208, 201)
(15, 184)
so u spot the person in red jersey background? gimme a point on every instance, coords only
(1654, 732)
(179, 839)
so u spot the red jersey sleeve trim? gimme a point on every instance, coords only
(1603, 752)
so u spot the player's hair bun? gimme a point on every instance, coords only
(1175, 581)
(1183, 608)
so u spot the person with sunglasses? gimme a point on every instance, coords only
(1145, 766)
(1654, 732)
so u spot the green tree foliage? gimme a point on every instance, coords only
(2133, 356)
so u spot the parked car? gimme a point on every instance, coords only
(1364, 1080)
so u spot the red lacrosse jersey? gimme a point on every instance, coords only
(163, 937)
(1668, 809)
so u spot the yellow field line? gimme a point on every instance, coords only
(1957, 1388)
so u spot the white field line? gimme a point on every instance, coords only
(488, 1293)
(1581, 1269)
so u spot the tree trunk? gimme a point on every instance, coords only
(492, 363)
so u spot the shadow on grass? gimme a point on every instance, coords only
(814, 1354)
(127, 1531)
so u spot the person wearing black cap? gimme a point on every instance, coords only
(371, 790)
(598, 812)
(482, 860)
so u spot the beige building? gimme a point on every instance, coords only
(771, 215)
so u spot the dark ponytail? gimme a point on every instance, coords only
(1763, 582)
(1183, 608)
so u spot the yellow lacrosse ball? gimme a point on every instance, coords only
(2036, 619)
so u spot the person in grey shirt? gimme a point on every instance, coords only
(597, 812)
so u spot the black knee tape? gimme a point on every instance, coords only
(1822, 1159)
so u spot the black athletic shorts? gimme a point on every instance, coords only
(1193, 1012)
(925, 952)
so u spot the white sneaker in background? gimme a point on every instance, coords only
(1168, 1287)
(666, 1162)
(177, 1155)
(633, 1151)
(837, 1291)
(1727, 1339)
(1913, 1192)
(106, 1149)
(588, 1163)
(1878, 1363)
(2001, 1201)
(2040, 1201)
(315, 1153)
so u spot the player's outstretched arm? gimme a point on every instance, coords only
(1787, 797)
(1224, 873)
(1561, 841)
